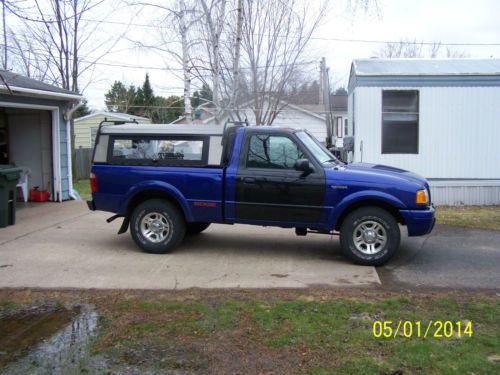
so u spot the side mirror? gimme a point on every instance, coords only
(303, 165)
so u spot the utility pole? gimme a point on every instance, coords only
(5, 40)
(322, 71)
(324, 99)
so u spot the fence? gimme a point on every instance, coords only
(82, 163)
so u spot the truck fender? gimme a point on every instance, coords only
(155, 185)
(358, 197)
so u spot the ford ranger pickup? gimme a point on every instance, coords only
(169, 181)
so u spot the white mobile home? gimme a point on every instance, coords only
(437, 118)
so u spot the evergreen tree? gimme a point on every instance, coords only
(147, 92)
(206, 92)
(142, 101)
(203, 96)
(138, 103)
(83, 110)
(341, 91)
(116, 97)
(168, 109)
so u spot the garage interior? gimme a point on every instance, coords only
(26, 141)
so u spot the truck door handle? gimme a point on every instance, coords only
(249, 180)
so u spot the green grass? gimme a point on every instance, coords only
(8, 305)
(486, 217)
(83, 188)
(336, 335)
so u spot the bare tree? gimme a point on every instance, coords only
(454, 53)
(59, 33)
(275, 35)
(25, 57)
(59, 45)
(214, 12)
(7, 7)
(175, 39)
(237, 56)
(407, 48)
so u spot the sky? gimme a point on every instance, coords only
(445, 21)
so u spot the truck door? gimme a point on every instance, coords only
(269, 189)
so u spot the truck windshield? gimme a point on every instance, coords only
(317, 149)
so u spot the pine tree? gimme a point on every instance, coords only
(341, 91)
(83, 110)
(115, 98)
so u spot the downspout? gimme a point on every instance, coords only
(67, 116)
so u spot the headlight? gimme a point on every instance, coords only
(422, 197)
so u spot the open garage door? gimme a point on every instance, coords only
(29, 144)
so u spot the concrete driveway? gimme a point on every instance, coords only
(65, 245)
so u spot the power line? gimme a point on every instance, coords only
(224, 108)
(16, 50)
(342, 40)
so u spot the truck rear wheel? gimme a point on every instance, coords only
(157, 226)
(196, 228)
(369, 236)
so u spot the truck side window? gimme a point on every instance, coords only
(273, 152)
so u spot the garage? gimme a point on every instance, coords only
(34, 134)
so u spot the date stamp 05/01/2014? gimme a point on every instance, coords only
(432, 328)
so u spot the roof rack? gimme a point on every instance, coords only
(110, 122)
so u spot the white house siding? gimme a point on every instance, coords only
(296, 119)
(477, 192)
(459, 139)
(459, 132)
(84, 125)
(291, 118)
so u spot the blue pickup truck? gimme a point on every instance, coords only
(169, 181)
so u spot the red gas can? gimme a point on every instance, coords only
(38, 195)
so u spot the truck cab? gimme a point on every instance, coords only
(168, 181)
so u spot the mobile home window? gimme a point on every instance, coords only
(165, 151)
(400, 112)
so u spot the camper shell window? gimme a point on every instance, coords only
(159, 150)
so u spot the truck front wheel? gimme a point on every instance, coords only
(157, 226)
(369, 236)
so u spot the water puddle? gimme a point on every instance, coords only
(47, 340)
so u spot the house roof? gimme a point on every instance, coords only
(19, 84)
(424, 72)
(313, 110)
(338, 102)
(411, 67)
(119, 115)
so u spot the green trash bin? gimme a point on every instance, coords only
(9, 175)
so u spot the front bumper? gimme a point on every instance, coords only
(419, 222)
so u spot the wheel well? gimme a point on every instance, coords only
(369, 203)
(152, 194)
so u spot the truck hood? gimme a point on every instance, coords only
(385, 170)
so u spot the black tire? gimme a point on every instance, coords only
(369, 217)
(196, 228)
(169, 229)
